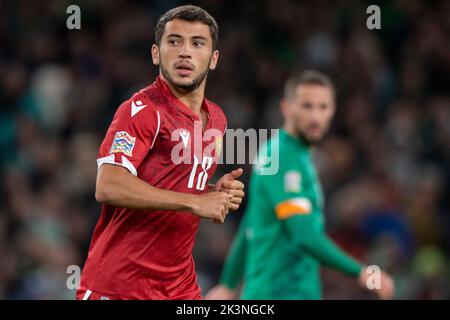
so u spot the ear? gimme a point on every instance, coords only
(284, 107)
(214, 59)
(333, 108)
(155, 54)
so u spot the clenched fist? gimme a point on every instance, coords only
(229, 184)
(212, 205)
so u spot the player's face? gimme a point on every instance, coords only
(185, 53)
(310, 111)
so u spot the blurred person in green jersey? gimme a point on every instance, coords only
(281, 242)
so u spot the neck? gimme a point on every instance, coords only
(291, 130)
(193, 99)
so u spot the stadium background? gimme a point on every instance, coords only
(385, 165)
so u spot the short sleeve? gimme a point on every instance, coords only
(131, 135)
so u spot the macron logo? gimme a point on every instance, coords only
(185, 137)
(136, 107)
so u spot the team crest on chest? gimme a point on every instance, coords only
(218, 145)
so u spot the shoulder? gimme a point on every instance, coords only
(140, 108)
(152, 95)
(274, 158)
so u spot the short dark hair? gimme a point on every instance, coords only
(188, 13)
(306, 77)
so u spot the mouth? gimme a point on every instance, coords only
(315, 130)
(184, 69)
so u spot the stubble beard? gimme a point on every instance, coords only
(184, 87)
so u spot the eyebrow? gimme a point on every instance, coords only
(174, 35)
(199, 38)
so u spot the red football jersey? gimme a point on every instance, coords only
(136, 254)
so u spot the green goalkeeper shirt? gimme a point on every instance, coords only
(281, 241)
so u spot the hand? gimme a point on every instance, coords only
(220, 292)
(212, 205)
(228, 183)
(386, 288)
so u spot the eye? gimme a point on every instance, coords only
(174, 42)
(306, 105)
(198, 43)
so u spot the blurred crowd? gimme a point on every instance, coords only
(384, 166)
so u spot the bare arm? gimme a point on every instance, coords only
(118, 187)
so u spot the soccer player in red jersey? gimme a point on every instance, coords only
(153, 170)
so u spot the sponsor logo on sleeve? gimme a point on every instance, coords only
(123, 143)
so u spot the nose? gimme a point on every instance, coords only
(185, 53)
(316, 115)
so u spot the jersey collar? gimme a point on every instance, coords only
(297, 142)
(167, 92)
